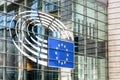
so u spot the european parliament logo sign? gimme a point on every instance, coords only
(27, 36)
(60, 53)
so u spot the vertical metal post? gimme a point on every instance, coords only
(90, 29)
(42, 67)
(43, 5)
(96, 63)
(106, 48)
(85, 41)
(96, 45)
(107, 55)
(38, 57)
(39, 72)
(24, 58)
(59, 74)
(39, 52)
(20, 58)
(59, 70)
(73, 26)
(5, 42)
(59, 9)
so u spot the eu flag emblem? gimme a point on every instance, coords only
(60, 53)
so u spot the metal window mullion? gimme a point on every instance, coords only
(79, 31)
(42, 67)
(43, 32)
(83, 28)
(24, 58)
(39, 52)
(96, 43)
(106, 51)
(39, 6)
(20, 58)
(5, 43)
(43, 5)
(90, 29)
(85, 40)
(73, 27)
(59, 4)
(85, 53)
(59, 70)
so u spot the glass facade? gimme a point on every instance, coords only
(85, 19)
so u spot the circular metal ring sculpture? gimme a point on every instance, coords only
(39, 19)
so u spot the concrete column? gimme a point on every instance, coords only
(114, 39)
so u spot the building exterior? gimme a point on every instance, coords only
(86, 20)
(113, 39)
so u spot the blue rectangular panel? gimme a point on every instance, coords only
(60, 53)
(62, 45)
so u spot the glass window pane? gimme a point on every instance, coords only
(102, 26)
(91, 3)
(79, 8)
(102, 17)
(90, 13)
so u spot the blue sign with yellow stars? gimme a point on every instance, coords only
(60, 53)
